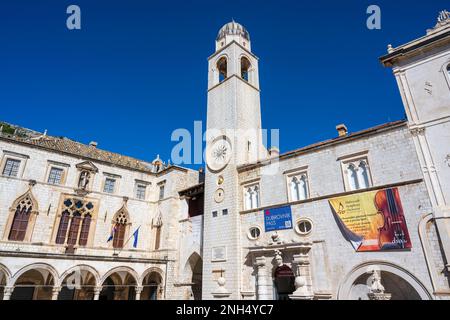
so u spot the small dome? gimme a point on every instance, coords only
(233, 28)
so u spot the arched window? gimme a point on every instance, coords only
(120, 228)
(251, 196)
(22, 217)
(245, 68)
(352, 177)
(299, 188)
(157, 224)
(75, 222)
(157, 238)
(448, 70)
(84, 234)
(222, 68)
(20, 220)
(63, 226)
(357, 174)
(363, 176)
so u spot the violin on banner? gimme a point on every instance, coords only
(394, 232)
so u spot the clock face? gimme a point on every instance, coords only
(218, 153)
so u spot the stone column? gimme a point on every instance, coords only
(302, 276)
(262, 281)
(138, 290)
(55, 292)
(7, 293)
(97, 291)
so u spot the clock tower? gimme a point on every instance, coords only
(233, 138)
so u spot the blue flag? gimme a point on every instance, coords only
(136, 236)
(111, 236)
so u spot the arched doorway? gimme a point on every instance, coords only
(78, 284)
(34, 284)
(119, 285)
(395, 282)
(194, 268)
(152, 289)
(284, 282)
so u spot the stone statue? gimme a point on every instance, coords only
(376, 289)
(278, 258)
(84, 180)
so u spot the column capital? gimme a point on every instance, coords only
(138, 289)
(98, 289)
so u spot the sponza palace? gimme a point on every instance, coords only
(363, 215)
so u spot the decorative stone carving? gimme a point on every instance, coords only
(302, 275)
(447, 159)
(221, 292)
(377, 291)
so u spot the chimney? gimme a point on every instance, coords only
(93, 144)
(342, 130)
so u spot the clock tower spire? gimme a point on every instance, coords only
(233, 138)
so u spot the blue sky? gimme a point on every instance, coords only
(137, 70)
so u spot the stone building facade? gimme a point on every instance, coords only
(71, 197)
(78, 222)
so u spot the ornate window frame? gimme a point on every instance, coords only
(354, 159)
(245, 187)
(32, 219)
(128, 224)
(92, 226)
(298, 172)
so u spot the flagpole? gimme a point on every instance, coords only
(121, 249)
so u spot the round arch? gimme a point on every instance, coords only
(81, 287)
(37, 266)
(125, 269)
(81, 267)
(150, 270)
(346, 285)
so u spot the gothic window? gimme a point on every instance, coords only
(157, 238)
(84, 234)
(11, 168)
(298, 186)
(20, 220)
(55, 176)
(109, 185)
(75, 222)
(63, 226)
(120, 227)
(245, 68)
(357, 174)
(157, 224)
(251, 197)
(222, 68)
(74, 228)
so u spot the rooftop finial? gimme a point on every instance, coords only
(443, 16)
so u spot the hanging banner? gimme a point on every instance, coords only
(278, 218)
(372, 221)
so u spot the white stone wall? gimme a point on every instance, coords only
(392, 159)
(99, 255)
